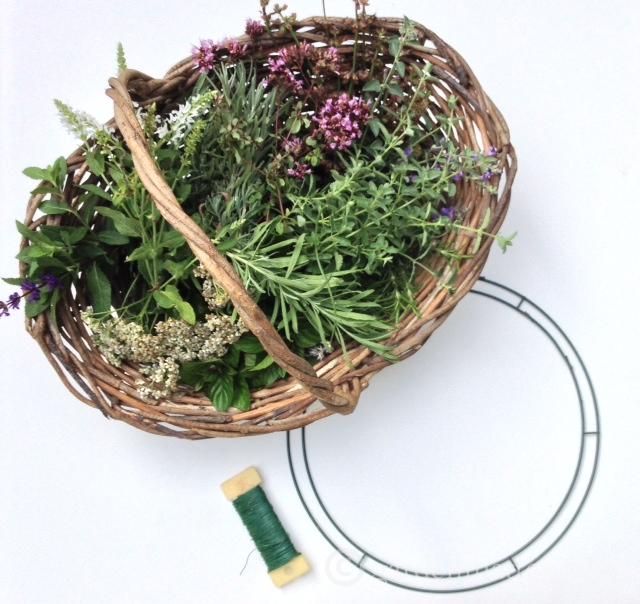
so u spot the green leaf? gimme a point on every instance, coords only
(32, 309)
(232, 358)
(163, 300)
(124, 225)
(266, 362)
(394, 46)
(97, 191)
(171, 240)
(95, 161)
(59, 172)
(146, 251)
(186, 312)
(13, 280)
(395, 90)
(99, 289)
(296, 255)
(113, 238)
(30, 234)
(401, 68)
(71, 235)
(221, 392)
(53, 207)
(486, 220)
(375, 126)
(173, 294)
(176, 269)
(197, 373)
(242, 400)
(372, 86)
(505, 242)
(249, 343)
(38, 174)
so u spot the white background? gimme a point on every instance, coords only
(93, 511)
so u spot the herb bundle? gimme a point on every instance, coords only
(328, 175)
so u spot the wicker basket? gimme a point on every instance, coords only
(332, 385)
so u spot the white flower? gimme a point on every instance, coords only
(181, 120)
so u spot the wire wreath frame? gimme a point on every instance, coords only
(533, 549)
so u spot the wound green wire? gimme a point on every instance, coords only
(265, 528)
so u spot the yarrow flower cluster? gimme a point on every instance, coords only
(214, 295)
(161, 353)
(31, 292)
(341, 121)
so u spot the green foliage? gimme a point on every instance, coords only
(228, 381)
(120, 58)
(330, 257)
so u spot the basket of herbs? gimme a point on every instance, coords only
(258, 233)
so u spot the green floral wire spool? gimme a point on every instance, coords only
(284, 562)
(306, 389)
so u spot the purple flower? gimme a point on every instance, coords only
(236, 50)
(4, 311)
(493, 152)
(205, 55)
(458, 177)
(50, 281)
(327, 60)
(487, 176)
(281, 73)
(31, 291)
(254, 29)
(341, 120)
(299, 170)
(290, 59)
(14, 300)
(293, 145)
(449, 213)
(408, 152)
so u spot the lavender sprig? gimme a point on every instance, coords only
(31, 291)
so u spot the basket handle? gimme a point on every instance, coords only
(339, 400)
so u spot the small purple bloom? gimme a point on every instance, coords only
(408, 152)
(50, 281)
(449, 213)
(4, 311)
(236, 50)
(487, 176)
(205, 55)
(299, 170)
(293, 145)
(254, 29)
(31, 291)
(458, 177)
(493, 152)
(341, 120)
(14, 300)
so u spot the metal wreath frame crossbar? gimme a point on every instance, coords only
(336, 381)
